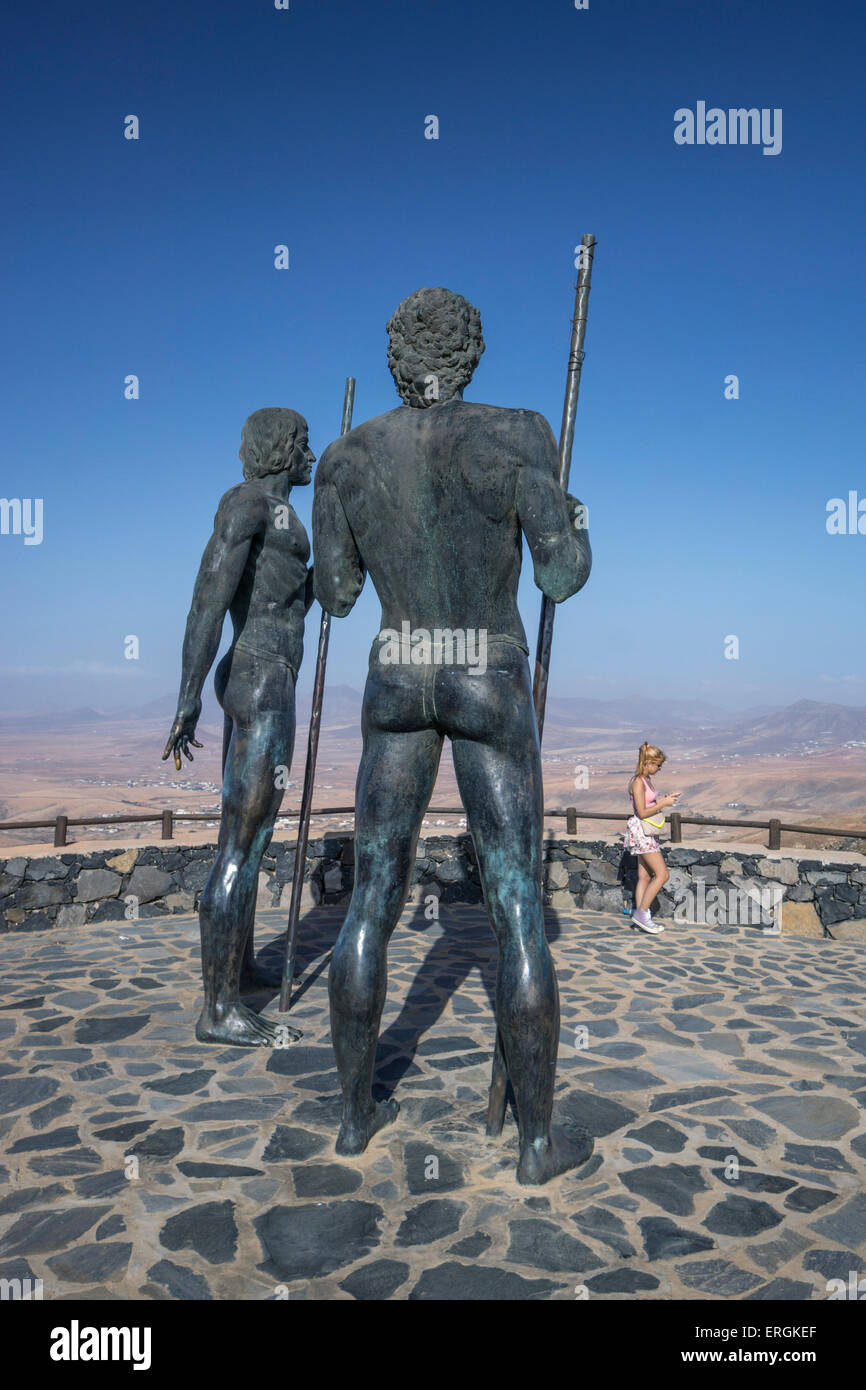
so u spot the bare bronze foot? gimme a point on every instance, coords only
(354, 1135)
(258, 976)
(286, 1034)
(238, 1026)
(562, 1152)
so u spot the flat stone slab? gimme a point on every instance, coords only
(722, 1077)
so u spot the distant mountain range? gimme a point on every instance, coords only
(636, 715)
(342, 705)
(806, 726)
(54, 719)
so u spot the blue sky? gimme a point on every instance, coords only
(306, 127)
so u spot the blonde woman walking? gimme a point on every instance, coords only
(641, 837)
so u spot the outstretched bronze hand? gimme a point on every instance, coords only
(183, 734)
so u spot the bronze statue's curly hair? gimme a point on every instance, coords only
(434, 345)
(267, 440)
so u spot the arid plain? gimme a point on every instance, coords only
(804, 763)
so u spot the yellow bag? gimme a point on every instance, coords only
(654, 824)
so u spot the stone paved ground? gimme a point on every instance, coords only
(702, 1044)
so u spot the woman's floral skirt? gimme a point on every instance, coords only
(637, 841)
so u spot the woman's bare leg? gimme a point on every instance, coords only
(654, 865)
(643, 878)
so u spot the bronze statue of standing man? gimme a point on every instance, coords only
(254, 568)
(433, 499)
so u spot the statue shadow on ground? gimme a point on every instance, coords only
(440, 976)
(458, 947)
(317, 933)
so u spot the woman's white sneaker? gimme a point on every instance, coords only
(643, 920)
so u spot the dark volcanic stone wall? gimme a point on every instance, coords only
(68, 889)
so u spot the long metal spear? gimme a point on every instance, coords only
(499, 1078)
(566, 441)
(310, 769)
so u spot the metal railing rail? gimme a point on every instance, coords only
(169, 819)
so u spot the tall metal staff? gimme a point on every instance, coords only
(499, 1078)
(566, 441)
(310, 769)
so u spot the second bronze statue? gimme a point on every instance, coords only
(255, 569)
